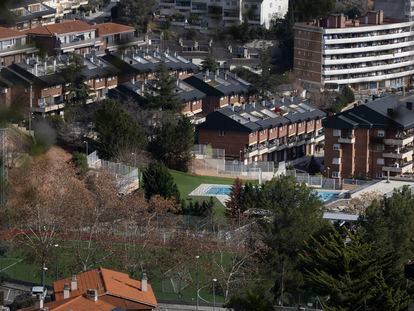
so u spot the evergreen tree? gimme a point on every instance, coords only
(257, 299)
(157, 180)
(203, 209)
(351, 274)
(117, 131)
(313, 166)
(135, 13)
(234, 206)
(296, 216)
(209, 63)
(173, 143)
(79, 91)
(162, 92)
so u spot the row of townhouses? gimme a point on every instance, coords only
(372, 53)
(29, 14)
(68, 36)
(279, 130)
(219, 13)
(372, 140)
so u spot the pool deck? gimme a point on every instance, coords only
(201, 191)
(382, 188)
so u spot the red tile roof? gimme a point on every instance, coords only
(79, 303)
(106, 29)
(6, 33)
(107, 282)
(62, 28)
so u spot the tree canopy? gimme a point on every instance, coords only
(209, 63)
(173, 143)
(117, 131)
(157, 180)
(135, 13)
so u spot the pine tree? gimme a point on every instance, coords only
(234, 206)
(209, 63)
(117, 131)
(135, 13)
(157, 180)
(173, 143)
(162, 92)
(352, 274)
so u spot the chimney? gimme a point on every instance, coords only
(263, 103)
(92, 294)
(225, 75)
(142, 88)
(254, 104)
(409, 105)
(66, 291)
(177, 82)
(54, 65)
(45, 64)
(39, 302)
(27, 61)
(144, 282)
(390, 111)
(207, 73)
(282, 99)
(36, 69)
(291, 99)
(74, 283)
(244, 106)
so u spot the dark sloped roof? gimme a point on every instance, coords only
(386, 112)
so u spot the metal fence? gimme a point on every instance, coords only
(211, 161)
(317, 181)
(127, 177)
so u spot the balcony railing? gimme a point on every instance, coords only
(398, 154)
(399, 167)
(346, 139)
(400, 141)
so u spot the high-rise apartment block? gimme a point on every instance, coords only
(372, 53)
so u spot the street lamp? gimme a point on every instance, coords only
(214, 294)
(44, 269)
(197, 281)
(56, 259)
(86, 143)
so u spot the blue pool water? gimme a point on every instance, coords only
(324, 195)
(219, 190)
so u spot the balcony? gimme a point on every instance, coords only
(26, 48)
(68, 47)
(399, 141)
(398, 154)
(399, 168)
(346, 140)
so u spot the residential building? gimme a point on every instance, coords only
(138, 91)
(221, 13)
(371, 140)
(280, 130)
(141, 64)
(80, 37)
(100, 290)
(371, 54)
(40, 85)
(14, 47)
(222, 89)
(64, 7)
(29, 14)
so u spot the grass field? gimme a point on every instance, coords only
(188, 182)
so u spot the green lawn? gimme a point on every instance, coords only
(187, 182)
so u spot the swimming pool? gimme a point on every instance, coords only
(324, 195)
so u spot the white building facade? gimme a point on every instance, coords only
(219, 13)
(370, 54)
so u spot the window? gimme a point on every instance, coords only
(336, 161)
(380, 161)
(380, 147)
(336, 174)
(336, 133)
(222, 133)
(381, 133)
(336, 147)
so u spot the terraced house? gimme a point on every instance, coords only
(222, 89)
(280, 130)
(29, 14)
(371, 140)
(14, 47)
(39, 84)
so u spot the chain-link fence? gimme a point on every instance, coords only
(127, 177)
